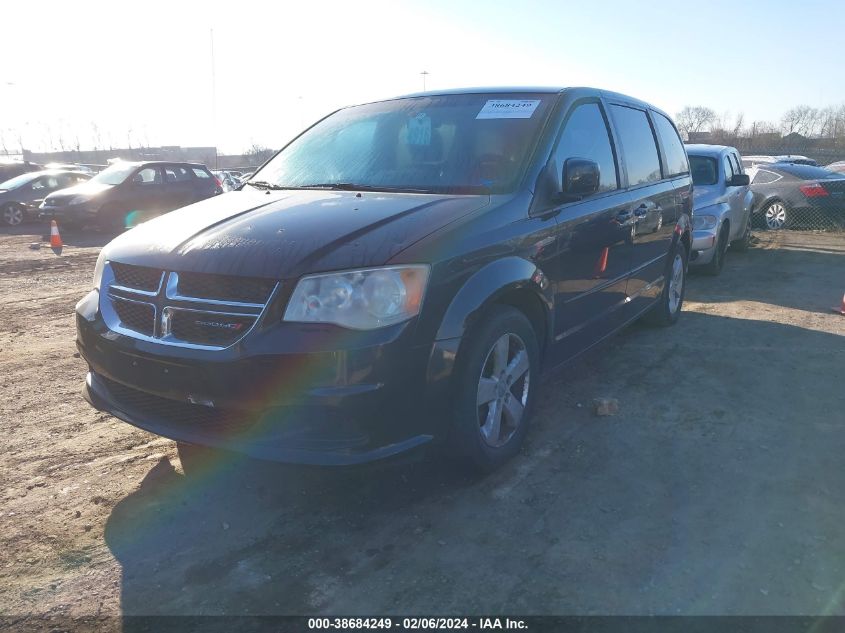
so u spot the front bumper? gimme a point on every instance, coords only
(308, 394)
(75, 213)
(703, 247)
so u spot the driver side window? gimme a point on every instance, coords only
(147, 176)
(585, 135)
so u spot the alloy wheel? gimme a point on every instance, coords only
(676, 284)
(12, 215)
(503, 390)
(775, 216)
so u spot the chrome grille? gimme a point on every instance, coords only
(157, 305)
(137, 277)
(135, 315)
(224, 287)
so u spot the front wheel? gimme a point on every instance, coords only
(496, 382)
(111, 220)
(13, 214)
(742, 243)
(718, 262)
(668, 307)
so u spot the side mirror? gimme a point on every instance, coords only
(580, 178)
(740, 180)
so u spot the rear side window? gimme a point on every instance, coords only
(764, 177)
(676, 156)
(200, 173)
(585, 136)
(640, 151)
(176, 173)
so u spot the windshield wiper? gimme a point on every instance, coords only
(263, 184)
(352, 186)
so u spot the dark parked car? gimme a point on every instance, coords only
(398, 275)
(787, 195)
(128, 193)
(20, 196)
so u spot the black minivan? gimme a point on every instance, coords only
(397, 276)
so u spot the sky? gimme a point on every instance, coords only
(118, 73)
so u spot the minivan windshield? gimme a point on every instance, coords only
(461, 143)
(115, 174)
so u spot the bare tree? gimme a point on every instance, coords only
(95, 135)
(694, 119)
(799, 120)
(738, 129)
(257, 154)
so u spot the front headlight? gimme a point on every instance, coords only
(359, 299)
(704, 221)
(79, 200)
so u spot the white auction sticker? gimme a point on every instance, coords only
(508, 109)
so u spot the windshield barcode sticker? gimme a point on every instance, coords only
(508, 109)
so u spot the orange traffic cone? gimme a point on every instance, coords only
(841, 309)
(55, 238)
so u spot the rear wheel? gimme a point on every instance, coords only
(13, 214)
(776, 215)
(668, 307)
(496, 383)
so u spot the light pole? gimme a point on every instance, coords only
(214, 103)
(424, 74)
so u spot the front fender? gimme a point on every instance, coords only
(487, 286)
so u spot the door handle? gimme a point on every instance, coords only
(641, 211)
(623, 218)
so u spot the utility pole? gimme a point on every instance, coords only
(214, 103)
(424, 74)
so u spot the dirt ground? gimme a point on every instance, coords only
(717, 489)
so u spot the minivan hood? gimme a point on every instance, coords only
(284, 234)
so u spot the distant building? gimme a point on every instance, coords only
(102, 156)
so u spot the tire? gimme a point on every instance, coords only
(716, 264)
(667, 310)
(776, 215)
(13, 214)
(488, 433)
(742, 243)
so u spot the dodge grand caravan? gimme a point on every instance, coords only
(396, 276)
